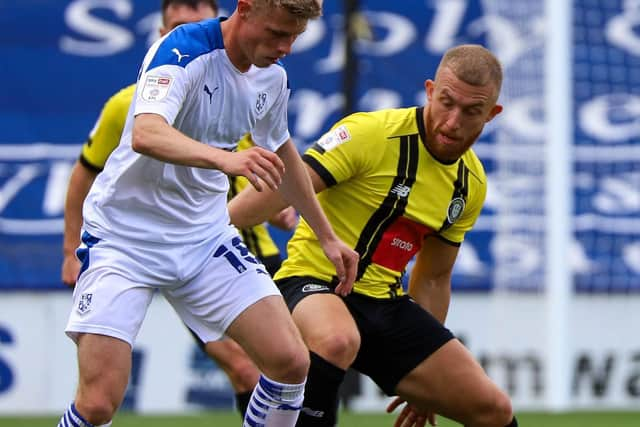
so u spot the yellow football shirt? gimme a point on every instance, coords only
(385, 194)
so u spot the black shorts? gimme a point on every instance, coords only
(272, 263)
(396, 334)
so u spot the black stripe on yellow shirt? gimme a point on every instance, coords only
(393, 206)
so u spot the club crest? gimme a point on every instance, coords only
(84, 305)
(455, 209)
(261, 102)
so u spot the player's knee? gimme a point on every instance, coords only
(291, 365)
(338, 348)
(97, 410)
(503, 410)
(496, 411)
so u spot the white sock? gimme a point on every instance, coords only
(72, 418)
(274, 404)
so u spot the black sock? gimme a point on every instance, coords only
(320, 406)
(242, 401)
(513, 423)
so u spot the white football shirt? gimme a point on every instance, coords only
(187, 78)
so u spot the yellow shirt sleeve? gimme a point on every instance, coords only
(477, 182)
(344, 151)
(106, 133)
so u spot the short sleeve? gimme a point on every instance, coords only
(471, 212)
(272, 130)
(347, 149)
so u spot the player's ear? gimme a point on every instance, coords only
(497, 109)
(429, 86)
(244, 8)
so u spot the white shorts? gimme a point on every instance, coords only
(117, 283)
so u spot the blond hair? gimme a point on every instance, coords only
(474, 65)
(302, 9)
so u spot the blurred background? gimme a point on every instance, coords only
(547, 285)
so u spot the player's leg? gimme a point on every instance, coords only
(240, 369)
(450, 382)
(333, 340)
(282, 357)
(233, 360)
(233, 295)
(108, 310)
(418, 359)
(104, 365)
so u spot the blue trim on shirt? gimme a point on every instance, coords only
(187, 42)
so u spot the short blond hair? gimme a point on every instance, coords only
(302, 9)
(474, 65)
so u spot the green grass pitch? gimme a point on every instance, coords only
(231, 419)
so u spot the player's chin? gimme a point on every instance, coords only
(265, 62)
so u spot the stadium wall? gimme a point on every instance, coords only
(507, 335)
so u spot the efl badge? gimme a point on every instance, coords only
(455, 209)
(261, 102)
(85, 303)
(155, 88)
(333, 138)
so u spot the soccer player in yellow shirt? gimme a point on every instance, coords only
(395, 184)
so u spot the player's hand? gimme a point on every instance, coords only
(345, 260)
(258, 165)
(410, 416)
(70, 270)
(286, 219)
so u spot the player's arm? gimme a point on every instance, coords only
(298, 188)
(79, 184)
(286, 219)
(249, 208)
(102, 140)
(430, 281)
(154, 137)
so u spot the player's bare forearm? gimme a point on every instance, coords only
(79, 184)
(286, 219)
(154, 137)
(297, 188)
(430, 281)
(434, 295)
(250, 207)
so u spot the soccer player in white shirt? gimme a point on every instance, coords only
(156, 217)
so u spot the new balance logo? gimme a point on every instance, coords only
(401, 190)
(209, 92)
(180, 56)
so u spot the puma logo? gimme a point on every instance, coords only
(180, 56)
(209, 92)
